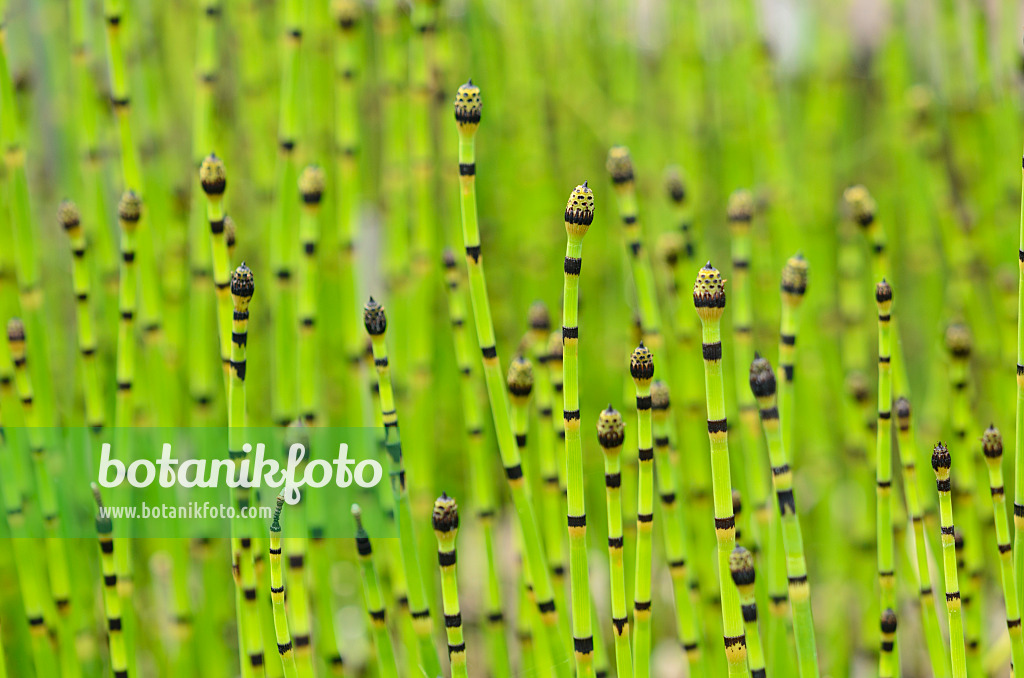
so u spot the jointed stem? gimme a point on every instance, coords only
(446, 527)
(284, 638)
(941, 463)
(374, 601)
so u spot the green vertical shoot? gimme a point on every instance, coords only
(941, 463)
(445, 519)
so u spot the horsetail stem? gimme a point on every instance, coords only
(579, 215)
(929, 619)
(763, 386)
(741, 566)
(992, 448)
(520, 385)
(70, 219)
(941, 463)
(641, 368)
(1018, 457)
(311, 188)
(675, 532)
(966, 488)
(620, 167)
(296, 550)
(376, 323)
(862, 210)
(886, 661)
(740, 212)
(709, 301)
(467, 117)
(284, 638)
(482, 491)
(374, 600)
(111, 597)
(445, 519)
(883, 459)
(213, 179)
(794, 286)
(610, 435)
(242, 286)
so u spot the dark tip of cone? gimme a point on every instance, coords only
(444, 495)
(371, 299)
(584, 183)
(641, 344)
(708, 265)
(469, 83)
(757, 355)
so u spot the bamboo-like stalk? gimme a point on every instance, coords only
(579, 215)
(482, 490)
(641, 368)
(284, 638)
(675, 532)
(992, 448)
(213, 179)
(242, 286)
(376, 323)
(611, 432)
(883, 459)
(926, 597)
(445, 519)
(1018, 454)
(467, 117)
(709, 301)
(886, 661)
(111, 596)
(941, 464)
(741, 567)
(311, 188)
(386, 664)
(966, 488)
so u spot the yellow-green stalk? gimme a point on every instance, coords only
(992, 448)
(311, 190)
(641, 368)
(111, 596)
(386, 663)
(284, 638)
(445, 519)
(883, 459)
(741, 567)
(213, 179)
(611, 432)
(886, 660)
(709, 301)
(941, 464)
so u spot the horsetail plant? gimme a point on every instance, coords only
(376, 323)
(520, 386)
(1018, 457)
(883, 459)
(675, 532)
(386, 664)
(941, 464)
(709, 301)
(641, 368)
(886, 660)
(741, 567)
(482, 491)
(111, 596)
(610, 435)
(284, 638)
(445, 519)
(929, 619)
(467, 118)
(242, 286)
(763, 386)
(213, 179)
(311, 188)
(992, 448)
(579, 215)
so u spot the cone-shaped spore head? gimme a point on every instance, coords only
(888, 622)
(762, 378)
(992, 443)
(446, 514)
(311, 184)
(579, 211)
(68, 215)
(641, 364)
(16, 337)
(794, 278)
(375, 319)
(619, 165)
(741, 565)
(213, 176)
(674, 184)
(941, 461)
(883, 296)
(539, 317)
(740, 208)
(958, 341)
(468, 107)
(668, 247)
(709, 293)
(129, 209)
(611, 429)
(242, 287)
(520, 377)
(275, 524)
(860, 205)
(660, 397)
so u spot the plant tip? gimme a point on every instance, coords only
(641, 364)
(579, 210)
(213, 176)
(375, 319)
(619, 165)
(611, 429)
